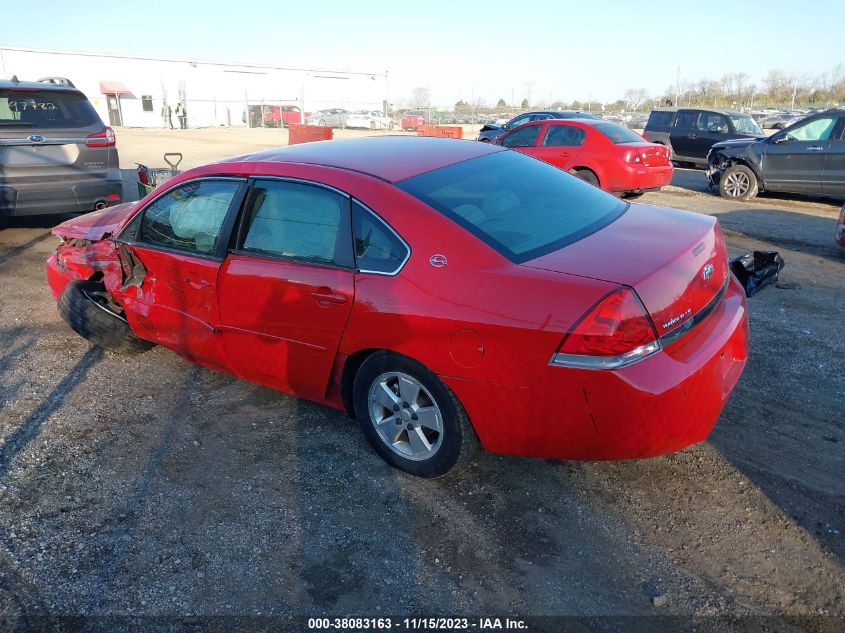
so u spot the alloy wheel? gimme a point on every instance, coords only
(405, 416)
(737, 184)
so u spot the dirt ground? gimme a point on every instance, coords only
(143, 485)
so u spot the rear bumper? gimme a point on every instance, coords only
(61, 196)
(659, 405)
(641, 178)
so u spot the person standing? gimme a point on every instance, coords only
(183, 116)
(167, 115)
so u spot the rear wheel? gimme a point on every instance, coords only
(587, 176)
(91, 312)
(738, 182)
(321, 123)
(411, 419)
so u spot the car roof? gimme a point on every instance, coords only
(697, 109)
(7, 84)
(388, 158)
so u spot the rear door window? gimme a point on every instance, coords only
(46, 109)
(294, 221)
(564, 136)
(686, 119)
(525, 136)
(713, 123)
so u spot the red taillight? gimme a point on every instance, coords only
(105, 138)
(631, 156)
(617, 331)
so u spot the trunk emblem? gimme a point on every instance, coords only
(707, 273)
(36, 138)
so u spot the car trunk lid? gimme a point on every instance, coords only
(675, 261)
(650, 154)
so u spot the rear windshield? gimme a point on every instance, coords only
(520, 206)
(618, 133)
(45, 109)
(660, 118)
(746, 125)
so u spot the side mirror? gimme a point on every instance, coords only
(780, 139)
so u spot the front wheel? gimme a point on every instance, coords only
(738, 182)
(411, 419)
(91, 312)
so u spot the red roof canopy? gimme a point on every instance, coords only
(113, 88)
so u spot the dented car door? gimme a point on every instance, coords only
(170, 255)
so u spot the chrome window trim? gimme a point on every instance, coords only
(300, 181)
(407, 246)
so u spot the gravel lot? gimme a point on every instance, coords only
(144, 485)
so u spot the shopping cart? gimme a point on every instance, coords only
(151, 177)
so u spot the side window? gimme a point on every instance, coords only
(377, 248)
(189, 217)
(525, 136)
(564, 136)
(816, 130)
(712, 122)
(686, 119)
(522, 118)
(293, 220)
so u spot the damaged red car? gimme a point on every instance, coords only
(444, 293)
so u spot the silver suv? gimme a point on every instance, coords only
(56, 156)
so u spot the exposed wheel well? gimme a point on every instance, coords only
(577, 169)
(350, 368)
(741, 161)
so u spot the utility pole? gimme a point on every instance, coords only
(678, 86)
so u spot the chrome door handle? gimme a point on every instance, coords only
(815, 148)
(324, 295)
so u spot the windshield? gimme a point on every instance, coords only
(746, 125)
(45, 109)
(619, 133)
(520, 206)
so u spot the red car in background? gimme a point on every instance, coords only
(440, 291)
(604, 154)
(412, 120)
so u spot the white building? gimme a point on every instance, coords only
(131, 91)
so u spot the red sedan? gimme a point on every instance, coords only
(604, 154)
(440, 291)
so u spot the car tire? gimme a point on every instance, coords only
(632, 195)
(586, 175)
(83, 306)
(321, 123)
(738, 182)
(417, 448)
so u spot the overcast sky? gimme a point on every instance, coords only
(460, 49)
